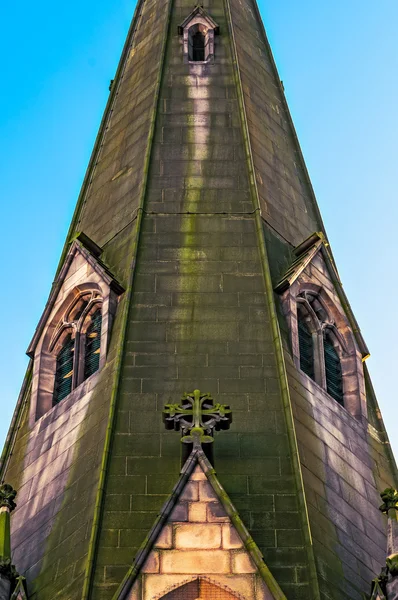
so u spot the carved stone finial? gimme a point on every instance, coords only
(390, 500)
(197, 416)
(7, 496)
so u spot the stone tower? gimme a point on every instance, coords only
(197, 260)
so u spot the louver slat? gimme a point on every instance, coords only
(334, 376)
(93, 344)
(306, 346)
(64, 370)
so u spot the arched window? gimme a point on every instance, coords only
(64, 369)
(320, 345)
(196, 45)
(306, 347)
(333, 370)
(78, 351)
(198, 31)
(93, 344)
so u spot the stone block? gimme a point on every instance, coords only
(242, 563)
(197, 511)
(206, 492)
(230, 537)
(195, 561)
(165, 539)
(197, 536)
(152, 563)
(179, 513)
(190, 492)
(198, 474)
(216, 513)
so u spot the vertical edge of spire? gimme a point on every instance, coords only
(95, 529)
(276, 335)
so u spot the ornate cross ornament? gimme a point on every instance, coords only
(196, 416)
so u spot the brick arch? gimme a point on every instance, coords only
(201, 588)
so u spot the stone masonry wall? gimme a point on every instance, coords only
(286, 197)
(199, 319)
(55, 464)
(344, 469)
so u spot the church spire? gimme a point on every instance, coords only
(197, 260)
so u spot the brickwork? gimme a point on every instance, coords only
(196, 543)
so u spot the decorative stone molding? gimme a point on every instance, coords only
(387, 582)
(390, 500)
(197, 417)
(7, 569)
(7, 497)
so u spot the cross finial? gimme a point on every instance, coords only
(197, 417)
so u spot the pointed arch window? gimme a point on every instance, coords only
(196, 42)
(198, 31)
(77, 344)
(321, 348)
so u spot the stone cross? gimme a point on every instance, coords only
(196, 416)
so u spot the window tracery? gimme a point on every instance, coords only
(321, 347)
(70, 344)
(76, 344)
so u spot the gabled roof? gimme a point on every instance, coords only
(197, 457)
(83, 245)
(305, 253)
(199, 10)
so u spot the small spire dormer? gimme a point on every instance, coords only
(198, 31)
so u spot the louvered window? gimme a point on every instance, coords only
(198, 46)
(93, 344)
(306, 347)
(64, 370)
(334, 375)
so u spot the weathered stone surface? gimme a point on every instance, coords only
(197, 536)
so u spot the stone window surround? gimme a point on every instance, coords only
(199, 22)
(46, 350)
(343, 340)
(78, 328)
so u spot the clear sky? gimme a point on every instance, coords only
(339, 65)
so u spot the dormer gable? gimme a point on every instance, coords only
(199, 547)
(71, 339)
(198, 31)
(326, 341)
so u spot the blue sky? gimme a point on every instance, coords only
(339, 65)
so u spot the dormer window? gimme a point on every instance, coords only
(76, 344)
(71, 341)
(326, 344)
(198, 31)
(196, 41)
(322, 350)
